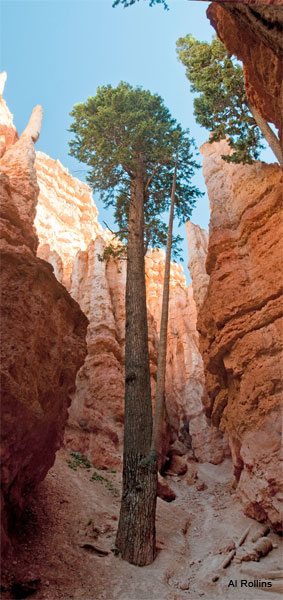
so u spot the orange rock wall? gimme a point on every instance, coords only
(42, 336)
(240, 323)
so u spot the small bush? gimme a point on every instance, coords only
(80, 461)
(108, 484)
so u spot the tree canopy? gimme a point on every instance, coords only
(221, 106)
(127, 3)
(112, 131)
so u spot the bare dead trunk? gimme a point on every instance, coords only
(136, 530)
(156, 444)
(268, 134)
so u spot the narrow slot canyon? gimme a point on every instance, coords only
(63, 321)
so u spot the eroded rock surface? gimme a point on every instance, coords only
(96, 414)
(240, 323)
(66, 216)
(197, 244)
(42, 335)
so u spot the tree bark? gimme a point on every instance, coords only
(268, 134)
(156, 444)
(136, 530)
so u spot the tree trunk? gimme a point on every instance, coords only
(268, 134)
(136, 530)
(156, 444)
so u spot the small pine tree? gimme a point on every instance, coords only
(127, 3)
(221, 105)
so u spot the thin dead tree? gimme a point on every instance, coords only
(156, 444)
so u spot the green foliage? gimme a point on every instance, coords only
(116, 251)
(82, 461)
(79, 461)
(127, 3)
(95, 533)
(106, 469)
(96, 477)
(108, 483)
(221, 106)
(114, 132)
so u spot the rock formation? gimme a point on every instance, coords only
(42, 331)
(240, 323)
(96, 414)
(253, 32)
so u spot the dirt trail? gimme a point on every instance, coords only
(67, 539)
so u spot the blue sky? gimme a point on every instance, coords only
(56, 53)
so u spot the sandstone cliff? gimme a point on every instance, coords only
(42, 332)
(240, 323)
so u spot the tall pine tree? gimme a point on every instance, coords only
(128, 139)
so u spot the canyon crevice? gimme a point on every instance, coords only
(62, 334)
(95, 426)
(222, 381)
(240, 322)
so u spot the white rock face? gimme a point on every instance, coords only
(66, 217)
(8, 132)
(3, 78)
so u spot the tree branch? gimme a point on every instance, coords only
(114, 233)
(150, 178)
(129, 171)
(268, 134)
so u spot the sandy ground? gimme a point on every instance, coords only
(67, 537)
